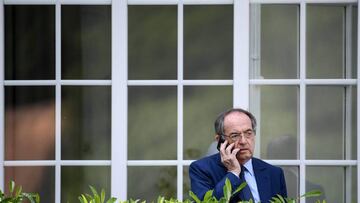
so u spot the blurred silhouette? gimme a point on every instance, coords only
(285, 147)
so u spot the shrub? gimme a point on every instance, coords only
(208, 198)
(16, 195)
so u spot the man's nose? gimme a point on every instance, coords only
(242, 139)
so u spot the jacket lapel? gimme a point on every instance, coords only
(262, 180)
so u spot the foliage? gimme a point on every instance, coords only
(96, 198)
(16, 195)
(208, 197)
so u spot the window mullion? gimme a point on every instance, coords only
(119, 97)
(302, 107)
(180, 99)
(241, 54)
(58, 102)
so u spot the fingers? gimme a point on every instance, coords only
(222, 146)
(228, 157)
(229, 148)
(235, 151)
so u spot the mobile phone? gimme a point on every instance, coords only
(221, 140)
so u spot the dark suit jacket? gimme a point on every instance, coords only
(210, 174)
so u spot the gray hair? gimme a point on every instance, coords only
(219, 122)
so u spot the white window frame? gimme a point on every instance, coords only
(119, 85)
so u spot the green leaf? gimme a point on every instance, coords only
(96, 199)
(208, 195)
(11, 186)
(84, 199)
(30, 197)
(93, 190)
(195, 198)
(240, 188)
(313, 193)
(282, 200)
(102, 196)
(227, 189)
(88, 197)
(111, 200)
(18, 191)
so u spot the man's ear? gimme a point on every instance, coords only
(217, 137)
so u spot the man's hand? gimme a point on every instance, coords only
(228, 157)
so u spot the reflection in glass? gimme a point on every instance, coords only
(29, 42)
(39, 179)
(152, 45)
(325, 122)
(276, 110)
(351, 190)
(152, 122)
(85, 122)
(353, 128)
(75, 180)
(325, 41)
(279, 42)
(202, 104)
(86, 42)
(354, 42)
(208, 42)
(153, 181)
(29, 123)
(186, 183)
(292, 180)
(333, 188)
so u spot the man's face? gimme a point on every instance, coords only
(238, 123)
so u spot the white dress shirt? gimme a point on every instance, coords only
(251, 181)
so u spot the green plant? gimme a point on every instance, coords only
(95, 198)
(16, 195)
(208, 197)
(313, 193)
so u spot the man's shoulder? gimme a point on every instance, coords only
(207, 161)
(258, 163)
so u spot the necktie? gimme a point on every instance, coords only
(245, 193)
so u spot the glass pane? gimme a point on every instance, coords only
(153, 181)
(325, 41)
(75, 180)
(317, 178)
(354, 42)
(352, 140)
(85, 122)
(292, 180)
(186, 183)
(351, 184)
(202, 104)
(325, 122)
(152, 44)
(279, 42)
(276, 110)
(39, 179)
(86, 42)
(208, 42)
(29, 123)
(29, 42)
(152, 122)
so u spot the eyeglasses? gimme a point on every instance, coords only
(236, 136)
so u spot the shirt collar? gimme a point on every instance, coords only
(249, 167)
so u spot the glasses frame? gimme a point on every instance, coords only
(247, 134)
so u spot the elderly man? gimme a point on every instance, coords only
(235, 132)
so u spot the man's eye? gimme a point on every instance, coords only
(234, 135)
